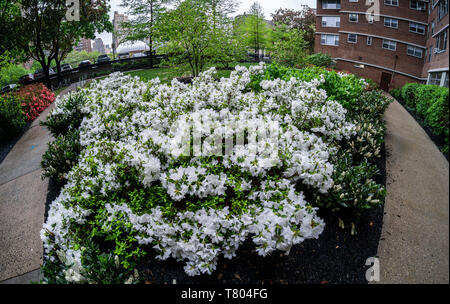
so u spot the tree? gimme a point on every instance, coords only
(49, 36)
(225, 47)
(9, 38)
(289, 47)
(143, 27)
(304, 20)
(254, 29)
(188, 34)
(93, 18)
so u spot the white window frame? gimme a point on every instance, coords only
(336, 2)
(417, 7)
(441, 42)
(417, 26)
(353, 42)
(390, 23)
(369, 40)
(336, 24)
(440, 14)
(389, 43)
(416, 52)
(350, 18)
(391, 2)
(335, 35)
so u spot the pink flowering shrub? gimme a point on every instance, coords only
(35, 98)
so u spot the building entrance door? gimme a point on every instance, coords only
(385, 81)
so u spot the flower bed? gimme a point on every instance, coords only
(35, 98)
(141, 187)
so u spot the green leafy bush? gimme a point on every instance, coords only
(70, 117)
(353, 192)
(409, 94)
(12, 120)
(320, 59)
(344, 88)
(61, 155)
(430, 102)
(396, 93)
(63, 152)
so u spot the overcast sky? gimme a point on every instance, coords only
(270, 6)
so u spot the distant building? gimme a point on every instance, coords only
(108, 49)
(116, 39)
(84, 45)
(99, 46)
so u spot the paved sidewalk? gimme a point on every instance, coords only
(414, 245)
(23, 196)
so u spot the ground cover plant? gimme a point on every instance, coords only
(191, 172)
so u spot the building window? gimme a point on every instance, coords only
(417, 5)
(441, 42)
(331, 4)
(353, 17)
(389, 45)
(328, 39)
(430, 54)
(417, 28)
(446, 80)
(433, 26)
(435, 78)
(414, 51)
(370, 19)
(391, 2)
(442, 9)
(331, 21)
(352, 38)
(391, 22)
(369, 40)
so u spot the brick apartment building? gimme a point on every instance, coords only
(84, 45)
(402, 41)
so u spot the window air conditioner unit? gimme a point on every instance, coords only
(436, 50)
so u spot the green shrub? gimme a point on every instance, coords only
(437, 115)
(344, 88)
(61, 155)
(396, 93)
(320, 59)
(12, 120)
(430, 102)
(70, 117)
(409, 94)
(11, 74)
(353, 192)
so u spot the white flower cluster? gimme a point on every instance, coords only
(142, 126)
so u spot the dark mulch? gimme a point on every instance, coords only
(186, 80)
(439, 140)
(7, 145)
(335, 257)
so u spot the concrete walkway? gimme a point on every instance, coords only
(414, 245)
(22, 204)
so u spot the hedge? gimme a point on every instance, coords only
(431, 103)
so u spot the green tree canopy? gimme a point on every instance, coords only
(254, 30)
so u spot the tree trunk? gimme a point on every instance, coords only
(46, 69)
(58, 68)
